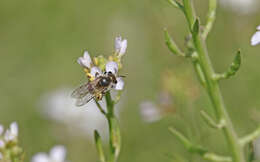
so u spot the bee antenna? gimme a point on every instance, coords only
(123, 76)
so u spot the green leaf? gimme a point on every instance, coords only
(234, 67)
(172, 45)
(211, 121)
(196, 28)
(187, 144)
(217, 158)
(232, 70)
(250, 137)
(176, 4)
(99, 146)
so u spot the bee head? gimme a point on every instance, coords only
(105, 81)
(112, 77)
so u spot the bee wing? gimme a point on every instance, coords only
(82, 101)
(81, 91)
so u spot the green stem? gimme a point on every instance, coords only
(114, 131)
(217, 101)
(213, 90)
(251, 137)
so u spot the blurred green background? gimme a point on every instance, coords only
(40, 41)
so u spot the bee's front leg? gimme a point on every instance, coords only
(99, 96)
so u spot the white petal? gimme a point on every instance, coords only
(255, 39)
(85, 61)
(95, 71)
(9, 136)
(2, 144)
(120, 84)
(1, 156)
(258, 28)
(149, 112)
(58, 153)
(14, 129)
(1, 129)
(118, 44)
(112, 66)
(41, 157)
(123, 47)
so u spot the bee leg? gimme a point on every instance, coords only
(99, 96)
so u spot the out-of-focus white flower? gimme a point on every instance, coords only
(120, 46)
(85, 61)
(1, 156)
(241, 6)
(255, 40)
(59, 106)
(57, 154)
(2, 144)
(149, 112)
(11, 133)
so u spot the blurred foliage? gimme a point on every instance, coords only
(41, 40)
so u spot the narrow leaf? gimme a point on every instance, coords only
(176, 4)
(211, 121)
(99, 146)
(187, 144)
(172, 45)
(196, 27)
(217, 158)
(234, 67)
(250, 137)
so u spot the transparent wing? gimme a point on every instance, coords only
(82, 101)
(81, 91)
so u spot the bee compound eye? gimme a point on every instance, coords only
(104, 82)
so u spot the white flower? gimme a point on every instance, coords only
(255, 40)
(59, 106)
(120, 45)
(12, 133)
(241, 6)
(2, 144)
(149, 112)
(1, 129)
(95, 71)
(57, 154)
(85, 61)
(112, 67)
(120, 84)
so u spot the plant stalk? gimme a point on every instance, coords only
(114, 131)
(212, 87)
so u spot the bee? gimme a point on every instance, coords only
(95, 89)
